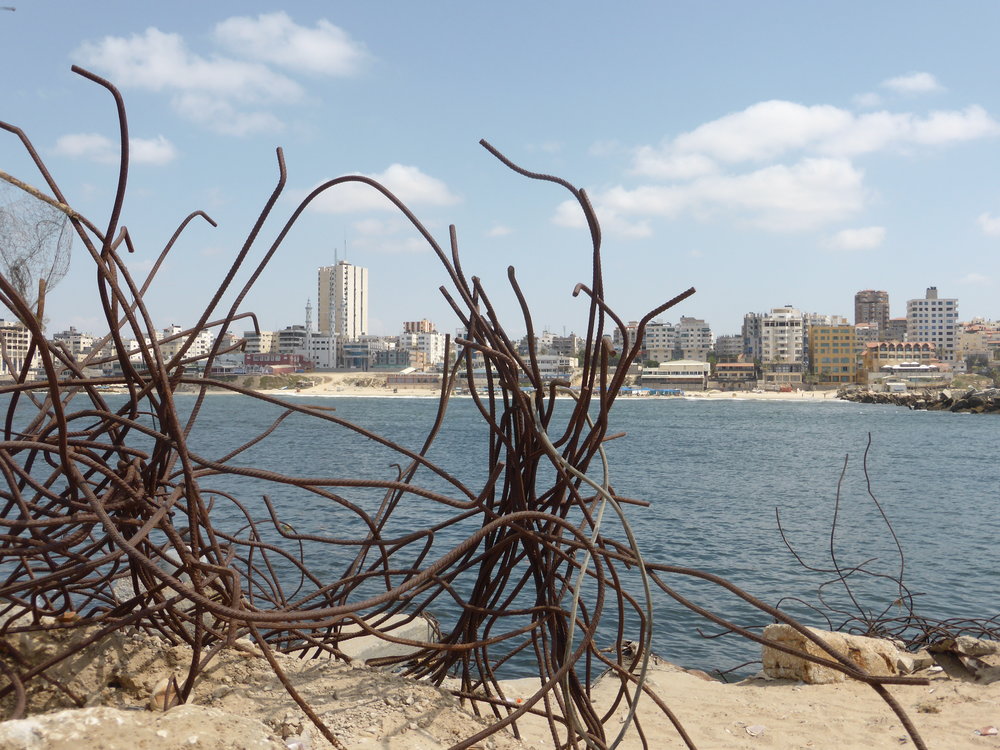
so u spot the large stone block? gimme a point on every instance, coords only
(874, 655)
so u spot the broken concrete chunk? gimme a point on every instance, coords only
(874, 655)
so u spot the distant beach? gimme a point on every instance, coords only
(347, 384)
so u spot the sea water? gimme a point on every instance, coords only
(719, 476)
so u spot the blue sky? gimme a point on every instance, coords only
(766, 153)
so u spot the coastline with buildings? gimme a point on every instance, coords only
(784, 352)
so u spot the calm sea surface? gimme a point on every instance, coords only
(715, 473)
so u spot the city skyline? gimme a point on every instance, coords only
(794, 177)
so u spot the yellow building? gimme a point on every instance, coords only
(832, 355)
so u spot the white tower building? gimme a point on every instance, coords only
(935, 320)
(343, 301)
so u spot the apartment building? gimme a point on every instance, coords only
(872, 306)
(833, 354)
(934, 319)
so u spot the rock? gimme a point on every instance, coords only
(361, 647)
(115, 729)
(969, 646)
(874, 655)
(908, 663)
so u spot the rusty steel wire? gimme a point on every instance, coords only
(100, 499)
(894, 615)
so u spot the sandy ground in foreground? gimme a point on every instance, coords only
(345, 384)
(787, 715)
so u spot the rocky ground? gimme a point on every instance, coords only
(971, 400)
(239, 702)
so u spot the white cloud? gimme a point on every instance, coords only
(87, 146)
(857, 239)
(946, 127)
(805, 195)
(499, 231)
(409, 184)
(613, 220)
(223, 117)
(763, 131)
(989, 224)
(96, 147)
(976, 279)
(151, 150)
(158, 61)
(274, 38)
(771, 130)
(913, 83)
(218, 91)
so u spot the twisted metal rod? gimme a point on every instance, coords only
(112, 520)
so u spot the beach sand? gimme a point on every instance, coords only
(348, 384)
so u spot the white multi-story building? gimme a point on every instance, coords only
(659, 341)
(343, 301)
(430, 344)
(935, 320)
(260, 343)
(781, 337)
(694, 339)
(15, 340)
(78, 344)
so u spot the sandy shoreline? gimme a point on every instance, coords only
(342, 385)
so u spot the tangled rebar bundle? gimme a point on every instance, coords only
(110, 517)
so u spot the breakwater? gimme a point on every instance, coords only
(971, 400)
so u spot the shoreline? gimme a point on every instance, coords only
(344, 385)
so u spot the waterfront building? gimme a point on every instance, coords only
(833, 353)
(781, 376)
(15, 339)
(781, 337)
(934, 319)
(734, 376)
(872, 306)
(882, 353)
(556, 366)
(343, 301)
(679, 373)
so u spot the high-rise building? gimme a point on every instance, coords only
(935, 320)
(872, 306)
(781, 339)
(343, 301)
